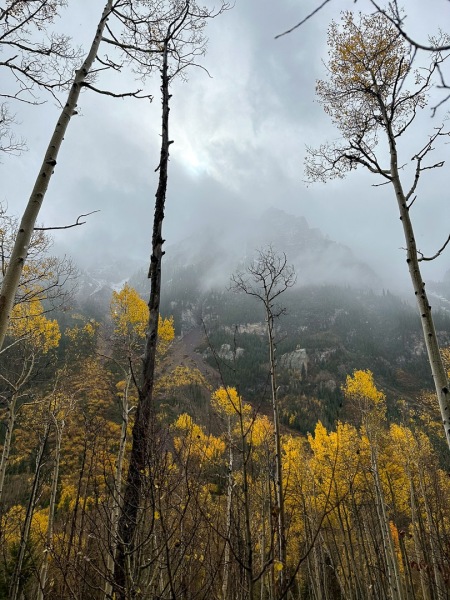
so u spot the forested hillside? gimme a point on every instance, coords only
(255, 413)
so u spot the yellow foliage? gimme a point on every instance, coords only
(368, 402)
(227, 401)
(277, 565)
(74, 334)
(361, 386)
(129, 313)
(67, 497)
(181, 376)
(29, 322)
(166, 330)
(368, 52)
(39, 525)
(262, 431)
(13, 520)
(367, 67)
(194, 441)
(11, 524)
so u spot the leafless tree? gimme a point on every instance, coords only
(266, 278)
(170, 35)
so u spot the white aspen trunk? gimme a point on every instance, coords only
(248, 529)
(7, 444)
(278, 461)
(15, 583)
(263, 539)
(431, 342)
(226, 566)
(395, 584)
(19, 253)
(317, 574)
(417, 544)
(440, 585)
(429, 333)
(51, 515)
(117, 493)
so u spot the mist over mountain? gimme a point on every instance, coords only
(205, 261)
(211, 256)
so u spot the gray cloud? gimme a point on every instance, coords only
(239, 146)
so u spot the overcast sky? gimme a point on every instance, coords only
(240, 138)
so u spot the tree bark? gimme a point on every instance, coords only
(141, 443)
(429, 332)
(7, 443)
(117, 492)
(16, 578)
(19, 254)
(51, 513)
(278, 462)
(393, 571)
(227, 551)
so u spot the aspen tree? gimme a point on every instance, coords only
(360, 389)
(266, 279)
(170, 36)
(19, 253)
(370, 69)
(129, 313)
(34, 335)
(227, 401)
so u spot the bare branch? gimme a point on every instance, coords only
(311, 14)
(135, 94)
(77, 222)
(438, 253)
(396, 20)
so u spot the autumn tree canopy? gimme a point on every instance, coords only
(373, 94)
(371, 88)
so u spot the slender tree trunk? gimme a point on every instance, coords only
(117, 493)
(435, 554)
(25, 375)
(418, 536)
(429, 332)
(227, 552)
(248, 565)
(51, 515)
(73, 525)
(7, 443)
(17, 575)
(278, 457)
(19, 253)
(393, 573)
(142, 426)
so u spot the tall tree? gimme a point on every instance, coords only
(18, 257)
(267, 278)
(82, 79)
(367, 95)
(171, 36)
(33, 335)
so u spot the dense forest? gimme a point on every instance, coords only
(176, 437)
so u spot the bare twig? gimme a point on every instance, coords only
(77, 222)
(115, 95)
(438, 253)
(398, 24)
(311, 14)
